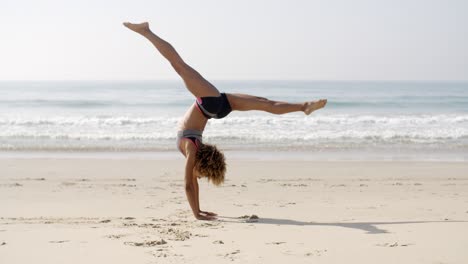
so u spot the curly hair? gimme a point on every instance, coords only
(210, 162)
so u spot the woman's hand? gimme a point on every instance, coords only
(208, 213)
(203, 215)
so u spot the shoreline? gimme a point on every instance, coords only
(292, 155)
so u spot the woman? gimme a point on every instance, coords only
(204, 160)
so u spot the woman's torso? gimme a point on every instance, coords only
(193, 119)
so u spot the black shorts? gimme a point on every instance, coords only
(214, 106)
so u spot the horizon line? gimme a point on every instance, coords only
(226, 79)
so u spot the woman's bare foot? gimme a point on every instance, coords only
(141, 28)
(309, 107)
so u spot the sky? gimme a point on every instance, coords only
(236, 39)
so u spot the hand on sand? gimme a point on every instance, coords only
(309, 107)
(201, 216)
(139, 28)
(208, 213)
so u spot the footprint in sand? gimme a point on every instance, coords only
(276, 243)
(162, 255)
(151, 243)
(12, 185)
(393, 245)
(83, 180)
(115, 236)
(59, 241)
(338, 185)
(232, 254)
(3, 243)
(131, 222)
(68, 183)
(317, 253)
(176, 234)
(34, 179)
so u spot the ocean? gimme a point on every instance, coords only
(372, 120)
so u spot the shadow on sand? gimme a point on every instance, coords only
(368, 227)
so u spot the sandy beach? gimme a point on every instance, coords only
(343, 124)
(135, 211)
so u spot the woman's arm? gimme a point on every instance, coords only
(195, 183)
(191, 189)
(189, 186)
(197, 198)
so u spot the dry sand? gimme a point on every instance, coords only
(135, 211)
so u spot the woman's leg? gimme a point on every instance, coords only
(195, 83)
(245, 102)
